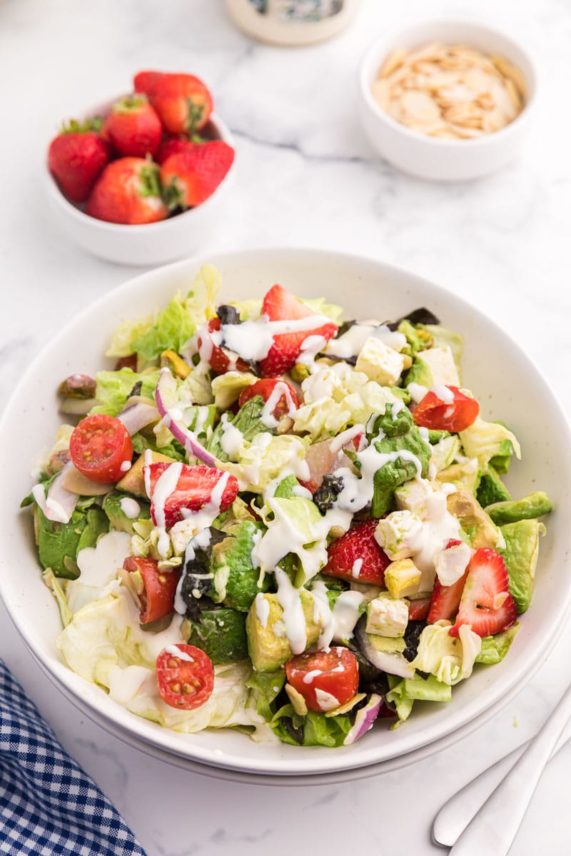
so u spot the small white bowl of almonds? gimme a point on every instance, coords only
(447, 100)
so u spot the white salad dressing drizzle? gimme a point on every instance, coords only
(262, 609)
(175, 651)
(345, 437)
(232, 440)
(312, 346)
(432, 536)
(130, 507)
(148, 460)
(346, 614)
(312, 675)
(165, 486)
(323, 614)
(125, 466)
(417, 391)
(350, 343)
(293, 617)
(280, 390)
(98, 568)
(443, 393)
(356, 569)
(253, 339)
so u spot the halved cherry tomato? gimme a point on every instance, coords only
(157, 597)
(193, 490)
(433, 412)
(288, 399)
(185, 680)
(325, 677)
(220, 359)
(99, 447)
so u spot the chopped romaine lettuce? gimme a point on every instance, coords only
(448, 658)
(495, 648)
(490, 442)
(114, 388)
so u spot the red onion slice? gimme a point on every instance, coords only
(364, 719)
(165, 393)
(60, 503)
(137, 416)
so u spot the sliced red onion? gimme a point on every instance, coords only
(364, 719)
(392, 664)
(60, 503)
(137, 416)
(171, 416)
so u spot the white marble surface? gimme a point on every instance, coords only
(306, 176)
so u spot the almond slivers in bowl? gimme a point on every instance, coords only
(450, 91)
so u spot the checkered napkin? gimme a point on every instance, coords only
(48, 805)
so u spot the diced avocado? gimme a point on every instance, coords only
(520, 555)
(535, 505)
(221, 633)
(444, 452)
(402, 578)
(268, 644)
(465, 476)
(491, 489)
(495, 648)
(235, 577)
(480, 530)
(59, 543)
(419, 373)
(117, 517)
(390, 476)
(134, 481)
(387, 644)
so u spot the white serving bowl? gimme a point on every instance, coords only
(150, 243)
(431, 157)
(509, 388)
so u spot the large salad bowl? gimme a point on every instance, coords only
(510, 388)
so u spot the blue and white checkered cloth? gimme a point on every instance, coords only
(48, 805)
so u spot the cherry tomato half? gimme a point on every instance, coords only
(99, 447)
(457, 415)
(325, 679)
(287, 401)
(185, 680)
(157, 597)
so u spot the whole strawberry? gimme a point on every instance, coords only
(129, 192)
(132, 127)
(183, 102)
(76, 157)
(191, 176)
(172, 146)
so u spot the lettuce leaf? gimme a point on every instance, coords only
(314, 729)
(495, 648)
(114, 387)
(450, 659)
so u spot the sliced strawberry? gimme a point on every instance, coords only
(418, 609)
(281, 305)
(357, 557)
(288, 400)
(446, 599)
(486, 603)
(219, 359)
(192, 492)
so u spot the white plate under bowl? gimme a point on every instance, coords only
(509, 388)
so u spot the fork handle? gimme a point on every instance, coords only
(494, 828)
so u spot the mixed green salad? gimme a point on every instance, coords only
(268, 518)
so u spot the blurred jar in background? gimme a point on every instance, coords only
(292, 22)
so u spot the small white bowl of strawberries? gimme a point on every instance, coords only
(140, 179)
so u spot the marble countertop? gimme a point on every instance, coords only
(308, 177)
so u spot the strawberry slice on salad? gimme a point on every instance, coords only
(194, 488)
(486, 603)
(281, 393)
(280, 305)
(219, 358)
(445, 600)
(357, 557)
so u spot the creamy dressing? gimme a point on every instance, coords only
(164, 487)
(350, 343)
(452, 562)
(310, 676)
(175, 651)
(356, 569)
(417, 391)
(59, 504)
(344, 438)
(130, 507)
(252, 340)
(282, 537)
(98, 568)
(262, 609)
(293, 617)
(232, 440)
(125, 466)
(438, 527)
(323, 615)
(312, 346)
(346, 614)
(443, 393)
(280, 390)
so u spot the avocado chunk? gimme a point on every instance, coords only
(491, 489)
(465, 476)
(59, 543)
(221, 633)
(520, 555)
(535, 505)
(134, 480)
(480, 530)
(268, 644)
(387, 644)
(117, 517)
(235, 577)
(419, 373)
